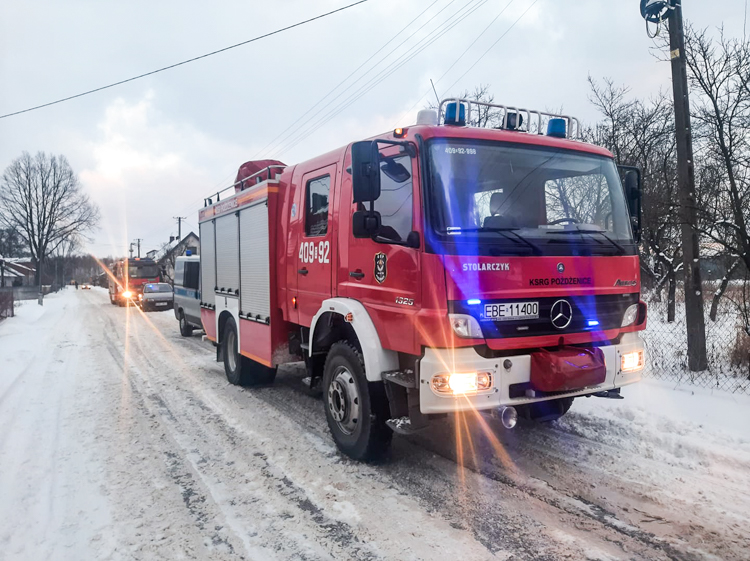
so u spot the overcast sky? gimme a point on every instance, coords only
(153, 148)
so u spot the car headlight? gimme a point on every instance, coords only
(127, 294)
(465, 326)
(630, 315)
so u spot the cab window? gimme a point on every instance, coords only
(316, 206)
(396, 202)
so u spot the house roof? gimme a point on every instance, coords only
(170, 247)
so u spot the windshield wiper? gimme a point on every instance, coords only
(504, 232)
(619, 247)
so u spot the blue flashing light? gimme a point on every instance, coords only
(557, 128)
(188, 253)
(450, 114)
(593, 322)
(474, 302)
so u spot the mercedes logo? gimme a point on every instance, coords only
(561, 314)
(560, 268)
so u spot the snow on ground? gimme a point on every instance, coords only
(123, 440)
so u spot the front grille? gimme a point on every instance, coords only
(606, 309)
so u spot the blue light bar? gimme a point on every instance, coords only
(557, 128)
(593, 322)
(474, 302)
(455, 114)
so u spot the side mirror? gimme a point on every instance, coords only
(365, 223)
(633, 194)
(365, 171)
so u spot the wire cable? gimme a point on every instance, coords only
(278, 146)
(409, 111)
(493, 45)
(352, 73)
(258, 38)
(433, 36)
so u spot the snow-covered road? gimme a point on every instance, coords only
(122, 440)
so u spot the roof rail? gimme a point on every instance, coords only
(504, 117)
(207, 201)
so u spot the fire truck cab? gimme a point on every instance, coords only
(440, 268)
(128, 277)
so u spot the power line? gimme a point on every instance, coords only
(407, 112)
(493, 45)
(276, 147)
(352, 73)
(412, 52)
(259, 37)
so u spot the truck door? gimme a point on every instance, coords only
(386, 277)
(316, 248)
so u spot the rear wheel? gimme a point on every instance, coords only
(356, 409)
(546, 411)
(186, 330)
(240, 370)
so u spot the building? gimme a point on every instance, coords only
(165, 257)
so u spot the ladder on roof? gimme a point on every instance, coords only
(506, 117)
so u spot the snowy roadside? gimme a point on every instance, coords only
(123, 440)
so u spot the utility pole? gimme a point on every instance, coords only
(671, 10)
(179, 226)
(138, 241)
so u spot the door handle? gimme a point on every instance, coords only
(357, 274)
(303, 271)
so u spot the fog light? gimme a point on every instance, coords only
(630, 362)
(127, 294)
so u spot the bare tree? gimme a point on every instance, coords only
(719, 72)
(42, 200)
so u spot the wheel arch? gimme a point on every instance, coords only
(330, 325)
(221, 323)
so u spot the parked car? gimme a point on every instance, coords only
(157, 296)
(187, 294)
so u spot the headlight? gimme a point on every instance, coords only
(631, 314)
(127, 294)
(630, 362)
(465, 326)
(140, 297)
(459, 383)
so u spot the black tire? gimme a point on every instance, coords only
(240, 370)
(364, 436)
(186, 330)
(112, 300)
(546, 411)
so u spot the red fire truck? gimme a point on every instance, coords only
(435, 269)
(128, 278)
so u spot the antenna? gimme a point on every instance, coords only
(434, 90)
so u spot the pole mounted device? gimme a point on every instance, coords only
(658, 11)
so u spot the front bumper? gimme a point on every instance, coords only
(436, 361)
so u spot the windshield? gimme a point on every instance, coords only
(143, 271)
(160, 287)
(548, 197)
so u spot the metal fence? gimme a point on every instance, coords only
(727, 345)
(6, 303)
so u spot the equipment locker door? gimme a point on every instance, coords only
(315, 251)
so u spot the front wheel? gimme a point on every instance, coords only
(240, 370)
(356, 409)
(186, 330)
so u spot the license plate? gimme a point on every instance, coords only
(161, 303)
(512, 312)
